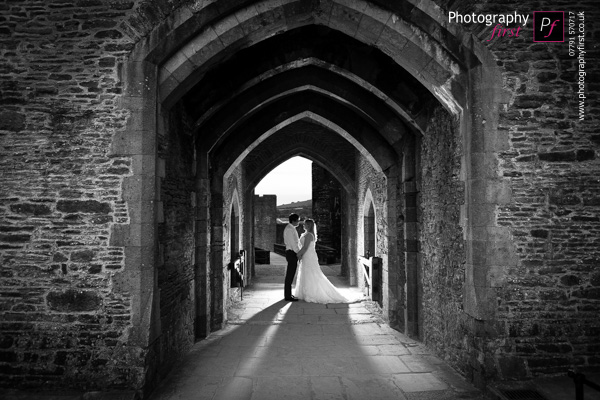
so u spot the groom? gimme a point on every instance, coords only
(290, 238)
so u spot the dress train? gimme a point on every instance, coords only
(311, 284)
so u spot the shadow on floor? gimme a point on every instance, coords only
(272, 349)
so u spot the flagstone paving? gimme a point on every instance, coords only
(272, 350)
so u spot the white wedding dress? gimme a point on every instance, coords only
(311, 283)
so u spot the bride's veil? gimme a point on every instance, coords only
(314, 225)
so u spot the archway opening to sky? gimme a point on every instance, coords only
(290, 181)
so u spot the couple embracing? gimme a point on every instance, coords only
(311, 284)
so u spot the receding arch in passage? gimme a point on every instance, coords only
(165, 66)
(369, 232)
(431, 63)
(234, 226)
(318, 119)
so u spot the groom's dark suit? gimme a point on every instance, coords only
(290, 237)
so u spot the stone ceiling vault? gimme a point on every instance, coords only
(307, 139)
(242, 73)
(313, 70)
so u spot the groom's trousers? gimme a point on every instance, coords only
(292, 265)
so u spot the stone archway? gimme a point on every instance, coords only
(320, 141)
(110, 112)
(369, 242)
(442, 72)
(234, 227)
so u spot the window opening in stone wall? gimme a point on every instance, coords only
(290, 181)
(286, 189)
(234, 235)
(369, 231)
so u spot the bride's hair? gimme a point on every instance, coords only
(311, 227)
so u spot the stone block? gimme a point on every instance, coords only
(17, 239)
(138, 258)
(236, 388)
(369, 29)
(482, 215)
(499, 233)
(411, 230)
(31, 209)
(298, 13)
(168, 90)
(480, 302)
(558, 156)
(414, 58)
(376, 13)
(477, 140)
(160, 212)
(178, 66)
(249, 20)
(587, 293)
(410, 187)
(202, 47)
(479, 275)
(142, 211)
(138, 188)
(228, 30)
(143, 105)
(439, 74)
(144, 164)
(132, 235)
(476, 252)
(108, 34)
(455, 96)
(512, 367)
(272, 11)
(83, 256)
(530, 100)
(585, 155)
(411, 262)
(496, 140)
(492, 191)
(98, 23)
(139, 79)
(372, 24)
(560, 198)
(12, 121)
(142, 235)
(389, 42)
(539, 233)
(161, 168)
(83, 206)
(484, 166)
(496, 276)
(134, 141)
(595, 279)
(419, 383)
(501, 253)
(110, 395)
(118, 235)
(412, 245)
(345, 18)
(73, 300)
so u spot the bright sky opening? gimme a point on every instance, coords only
(290, 181)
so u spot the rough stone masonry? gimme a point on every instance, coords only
(90, 145)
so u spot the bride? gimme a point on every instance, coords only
(311, 284)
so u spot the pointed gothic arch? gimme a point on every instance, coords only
(196, 41)
(369, 242)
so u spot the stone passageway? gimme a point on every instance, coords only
(272, 349)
